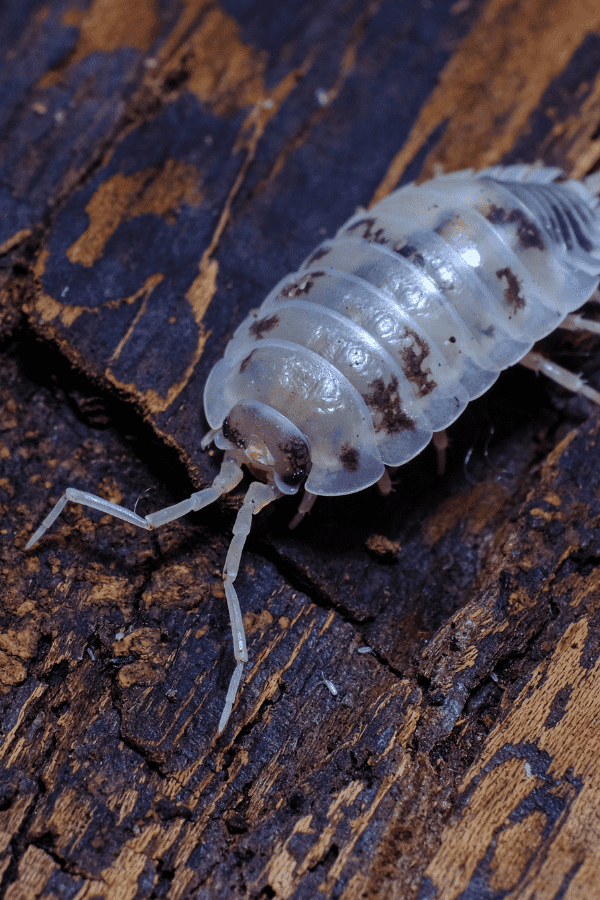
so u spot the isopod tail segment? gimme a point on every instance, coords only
(257, 497)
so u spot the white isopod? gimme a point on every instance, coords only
(383, 336)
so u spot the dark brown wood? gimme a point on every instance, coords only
(163, 165)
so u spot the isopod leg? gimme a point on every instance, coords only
(93, 502)
(257, 497)
(575, 322)
(226, 480)
(384, 485)
(305, 506)
(566, 379)
(440, 442)
(229, 476)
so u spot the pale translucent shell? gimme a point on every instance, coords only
(387, 331)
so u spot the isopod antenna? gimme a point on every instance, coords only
(230, 475)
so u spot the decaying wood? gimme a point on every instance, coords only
(164, 165)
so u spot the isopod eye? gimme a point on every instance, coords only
(270, 443)
(230, 434)
(295, 479)
(296, 456)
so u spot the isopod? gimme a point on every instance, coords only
(383, 336)
(331, 687)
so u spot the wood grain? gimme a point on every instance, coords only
(163, 164)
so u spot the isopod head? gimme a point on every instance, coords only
(267, 443)
(308, 409)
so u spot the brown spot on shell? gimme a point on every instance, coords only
(319, 253)
(511, 291)
(528, 233)
(262, 326)
(413, 362)
(245, 362)
(301, 286)
(350, 458)
(409, 251)
(366, 227)
(385, 399)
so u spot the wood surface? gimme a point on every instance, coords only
(163, 165)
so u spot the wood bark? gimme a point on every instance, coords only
(163, 165)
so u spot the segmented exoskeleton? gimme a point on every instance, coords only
(382, 337)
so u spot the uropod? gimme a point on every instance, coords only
(382, 337)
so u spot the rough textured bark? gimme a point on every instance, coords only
(163, 165)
